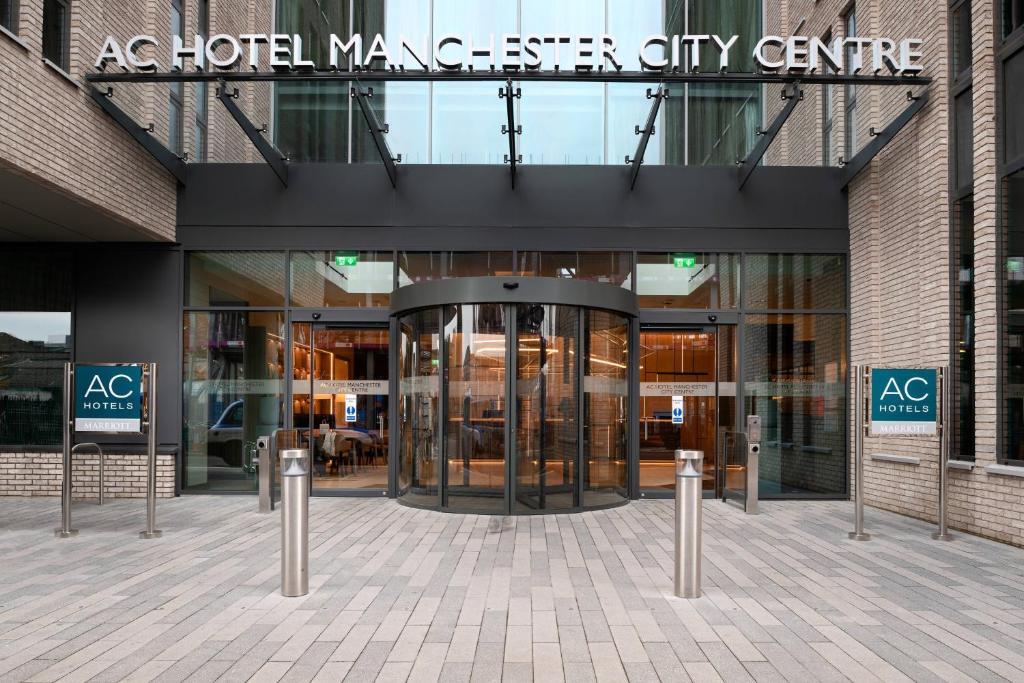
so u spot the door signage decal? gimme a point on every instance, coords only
(677, 388)
(677, 410)
(350, 407)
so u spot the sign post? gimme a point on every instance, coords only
(861, 374)
(151, 530)
(903, 402)
(65, 530)
(109, 398)
(942, 533)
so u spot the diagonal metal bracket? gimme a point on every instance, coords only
(882, 138)
(645, 134)
(511, 129)
(792, 95)
(174, 164)
(377, 133)
(270, 154)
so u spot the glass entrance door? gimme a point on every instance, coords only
(340, 404)
(698, 366)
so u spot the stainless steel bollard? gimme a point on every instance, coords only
(689, 485)
(294, 522)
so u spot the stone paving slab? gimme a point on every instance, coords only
(399, 594)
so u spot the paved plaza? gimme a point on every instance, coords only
(401, 594)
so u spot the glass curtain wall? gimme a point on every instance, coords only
(795, 370)
(563, 123)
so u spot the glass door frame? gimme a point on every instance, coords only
(512, 292)
(677, 320)
(353, 319)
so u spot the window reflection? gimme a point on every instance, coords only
(342, 278)
(233, 389)
(687, 280)
(795, 379)
(423, 266)
(606, 408)
(563, 123)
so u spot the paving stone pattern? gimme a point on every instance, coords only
(402, 594)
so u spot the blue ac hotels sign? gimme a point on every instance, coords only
(904, 401)
(108, 398)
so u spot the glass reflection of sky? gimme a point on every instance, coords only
(563, 123)
(51, 327)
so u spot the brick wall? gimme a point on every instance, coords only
(52, 132)
(900, 249)
(124, 476)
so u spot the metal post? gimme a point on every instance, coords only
(263, 465)
(294, 522)
(751, 494)
(65, 530)
(861, 374)
(942, 534)
(689, 483)
(151, 530)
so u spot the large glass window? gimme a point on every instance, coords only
(9, 15)
(605, 408)
(235, 278)
(36, 296)
(562, 123)
(354, 279)
(422, 266)
(474, 380)
(57, 33)
(963, 358)
(233, 392)
(687, 280)
(795, 379)
(612, 267)
(850, 90)
(418, 406)
(175, 97)
(547, 429)
(340, 403)
(795, 281)
(1012, 337)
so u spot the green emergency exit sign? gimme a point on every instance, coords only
(684, 261)
(346, 258)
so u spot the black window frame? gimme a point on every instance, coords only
(176, 90)
(9, 15)
(59, 55)
(200, 129)
(1011, 18)
(849, 18)
(828, 103)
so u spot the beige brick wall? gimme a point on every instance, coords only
(124, 476)
(52, 132)
(900, 250)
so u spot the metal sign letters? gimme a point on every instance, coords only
(512, 52)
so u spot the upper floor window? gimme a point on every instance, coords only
(57, 32)
(961, 39)
(827, 104)
(202, 90)
(9, 15)
(850, 26)
(176, 106)
(1013, 16)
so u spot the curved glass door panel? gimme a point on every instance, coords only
(547, 430)
(475, 368)
(605, 408)
(419, 442)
